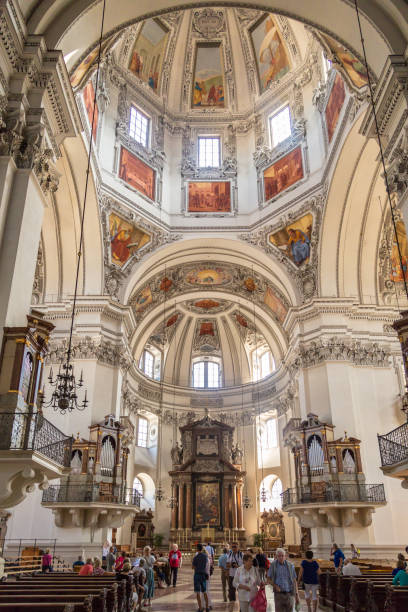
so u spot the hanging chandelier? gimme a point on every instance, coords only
(159, 494)
(64, 397)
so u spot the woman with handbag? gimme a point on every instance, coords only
(246, 581)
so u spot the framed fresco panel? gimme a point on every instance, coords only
(208, 85)
(207, 504)
(125, 239)
(275, 303)
(272, 58)
(283, 173)
(136, 173)
(89, 97)
(209, 197)
(334, 105)
(147, 56)
(294, 239)
(352, 66)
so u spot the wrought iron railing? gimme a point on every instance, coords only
(91, 493)
(394, 446)
(32, 431)
(356, 492)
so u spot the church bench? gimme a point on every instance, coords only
(47, 607)
(359, 591)
(396, 599)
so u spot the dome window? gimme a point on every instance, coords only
(142, 431)
(209, 152)
(280, 126)
(139, 126)
(206, 375)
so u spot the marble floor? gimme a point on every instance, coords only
(183, 599)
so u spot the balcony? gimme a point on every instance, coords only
(334, 505)
(32, 451)
(394, 453)
(91, 505)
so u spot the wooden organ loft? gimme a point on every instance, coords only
(331, 489)
(94, 493)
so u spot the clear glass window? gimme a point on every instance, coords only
(198, 374)
(139, 126)
(276, 500)
(147, 364)
(213, 374)
(271, 434)
(137, 485)
(142, 430)
(206, 375)
(280, 126)
(209, 152)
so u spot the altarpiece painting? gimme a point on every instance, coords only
(207, 504)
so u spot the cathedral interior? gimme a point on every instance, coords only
(203, 268)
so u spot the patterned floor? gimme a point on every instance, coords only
(183, 599)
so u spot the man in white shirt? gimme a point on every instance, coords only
(234, 560)
(349, 569)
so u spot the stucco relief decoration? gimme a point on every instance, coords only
(249, 334)
(208, 305)
(293, 242)
(127, 238)
(208, 22)
(390, 273)
(89, 347)
(206, 337)
(39, 277)
(164, 332)
(351, 66)
(209, 276)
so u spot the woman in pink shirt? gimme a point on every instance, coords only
(46, 561)
(87, 569)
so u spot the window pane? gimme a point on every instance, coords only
(266, 364)
(271, 434)
(276, 500)
(280, 126)
(138, 126)
(198, 374)
(142, 429)
(208, 152)
(213, 374)
(138, 486)
(148, 364)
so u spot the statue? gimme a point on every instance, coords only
(236, 454)
(177, 454)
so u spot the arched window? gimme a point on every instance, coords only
(273, 488)
(147, 363)
(137, 486)
(206, 375)
(276, 490)
(271, 434)
(263, 364)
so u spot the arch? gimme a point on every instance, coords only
(273, 487)
(149, 491)
(66, 22)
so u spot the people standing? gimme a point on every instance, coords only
(210, 551)
(262, 561)
(234, 561)
(110, 560)
(222, 564)
(338, 558)
(282, 577)
(245, 581)
(149, 562)
(175, 560)
(309, 573)
(46, 561)
(355, 552)
(209, 570)
(199, 565)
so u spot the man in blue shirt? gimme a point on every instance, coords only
(338, 558)
(222, 563)
(282, 577)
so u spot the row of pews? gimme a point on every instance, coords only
(370, 592)
(66, 592)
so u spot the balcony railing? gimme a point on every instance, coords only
(31, 431)
(394, 446)
(369, 493)
(91, 493)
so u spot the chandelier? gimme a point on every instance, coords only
(64, 396)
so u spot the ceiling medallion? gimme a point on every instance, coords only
(208, 22)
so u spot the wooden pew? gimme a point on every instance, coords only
(359, 591)
(47, 606)
(396, 599)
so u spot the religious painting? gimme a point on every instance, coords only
(334, 105)
(249, 284)
(143, 299)
(294, 239)
(125, 239)
(148, 52)
(209, 197)
(208, 277)
(206, 328)
(397, 274)
(207, 504)
(271, 56)
(208, 87)
(283, 173)
(136, 173)
(166, 284)
(206, 304)
(84, 69)
(89, 98)
(275, 303)
(355, 70)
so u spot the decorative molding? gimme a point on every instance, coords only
(103, 351)
(206, 343)
(390, 290)
(37, 295)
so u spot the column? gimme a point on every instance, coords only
(189, 510)
(226, 507)
(239, 506)
(181, 507)
(234, 506)
(174, 509)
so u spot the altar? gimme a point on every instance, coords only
(207, 484)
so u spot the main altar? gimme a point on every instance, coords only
(207, 484)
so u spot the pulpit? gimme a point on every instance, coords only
(207, 482)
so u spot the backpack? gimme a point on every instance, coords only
(200, 563)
